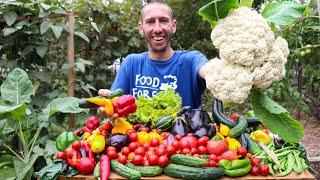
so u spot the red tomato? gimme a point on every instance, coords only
(162, 146)
(165, 135)
(129, 131)
(163, 161)
(183, 143)
(153, 160)
(131, 156)
(149, 153)
(144, 128)
(202, 150)
(194, 151)
(176, 144)
(76, 145)
(146, 146)
(133, 137)
(139, 151)
(185, 151)
(213, 157)
(196, 155)
(60, 155)
(202, 141)
(111, 148)
(155, 142)
(264, 170)
(137, 160)
(249, 155)
(217, 147)
(254, 171)
(229, 155)
(234, 117)
(255, 161)
(112, 154)
(171, 150)
(137, 126)
(146, 163)
(133, 146)
(152, 149)
(106, 126)
(122, 159)
(160, 151)
(125, 150)
(242, 151)
(211, 163)
(178, 136)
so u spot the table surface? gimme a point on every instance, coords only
(306, 175)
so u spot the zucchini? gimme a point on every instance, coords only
(218, 115)
(192, 173)
(115, 93)
(253, 122)
(147, 171)
(188, 160)
(239, 128)
(253, 146)
(165, 122)
(124, 171)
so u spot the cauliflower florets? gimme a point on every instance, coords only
(251, 56)
(230, 83)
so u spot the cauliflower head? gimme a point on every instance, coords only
(243, 37)
(230, 83)
(251, 56)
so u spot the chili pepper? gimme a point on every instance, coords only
(233, 143)
(99, 101)
(92, 123)
(124, 105)
(65, 139)
(104, 167)
(260, 136)
(235, 164)
(237, 172)
(72, 156)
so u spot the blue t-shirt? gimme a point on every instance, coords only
(140, 75)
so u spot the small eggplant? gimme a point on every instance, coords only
(199, 119)
(118, 140)
(211, 130)
(243, 140)
(203, 131)
(278, 143)
(180, 126)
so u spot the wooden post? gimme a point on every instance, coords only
(70, 56)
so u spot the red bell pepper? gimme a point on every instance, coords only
(104, 167)
(124, 106)
(85, 165)
(86, 146)
(72, 157)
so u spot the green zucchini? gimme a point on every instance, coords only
(253, 146)
(188, 160)
(147, 171)
(115, 93)
(218, 115)
(124, 171)
(192, 173)
(239, 128)
(165, 122)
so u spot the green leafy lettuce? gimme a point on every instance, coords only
(149, 110)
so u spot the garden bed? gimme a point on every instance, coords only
(306, 175)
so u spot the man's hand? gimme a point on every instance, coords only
(104, 92)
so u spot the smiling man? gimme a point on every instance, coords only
(161, 67)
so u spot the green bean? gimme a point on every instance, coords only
(283, 149)
(298, 162)
(283, 153)
(270, 168)
(290, 161)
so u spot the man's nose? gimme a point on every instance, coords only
(158, 26)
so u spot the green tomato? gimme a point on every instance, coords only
(308, 46)
(302, 53)
(308, 51)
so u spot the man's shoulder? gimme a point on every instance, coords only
(188, 53)
(137, 56)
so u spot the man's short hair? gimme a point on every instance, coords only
(156, 2)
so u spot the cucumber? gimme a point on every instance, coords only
(218, 114)
(147, 171)
(115, 93)
(124, 171)
(188, 160)
(253, 146)
(239, 128)
(192, 173)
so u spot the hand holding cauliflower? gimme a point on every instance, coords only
(250, 55)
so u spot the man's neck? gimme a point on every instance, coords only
(161, 56)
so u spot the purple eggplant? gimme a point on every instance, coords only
(180, 126)
(199, 118)
(118, 140)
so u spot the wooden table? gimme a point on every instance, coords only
(306, 175)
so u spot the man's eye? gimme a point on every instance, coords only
(150, 22)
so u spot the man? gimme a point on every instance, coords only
(161, 67)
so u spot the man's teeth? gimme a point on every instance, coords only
(158, 38)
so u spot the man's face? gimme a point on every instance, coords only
(157, 26)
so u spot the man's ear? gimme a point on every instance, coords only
(140, 29)
(174, 26)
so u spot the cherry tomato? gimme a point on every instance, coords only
(111, 148)
(146, 146)
(133, 146)
(213, 157)
(163, 161)
(144, 128)
(137, 126)
(129, 131)
(133, 137)
(202, 141)
(160, 151)
(242, 151)
(146, 163)
(125, 150)
(112, 154)
(153, 160)
(264, 170)
(60, 155)
(255, 161)
(185, 151)
(76, 145)
(155, 142)
(234, 117)
(139, 151)
(131, 156)
(178, 136)
(211, 163)
(249, 155)
(193, 150)
(202, 150)
(137, 160)
(196, 155)
(165, 135)
(171, 150)
(152, 149)
(254, 171)
(122, 159)
(176, 144)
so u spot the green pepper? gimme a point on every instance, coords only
(65, 139)
(235, 164)
(237, 172)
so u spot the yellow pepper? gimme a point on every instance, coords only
(96, 132)
(90, 138)
(85, 135)
(260, 136)
(98, 143)
(155, 135)
(143, 137)
(224, 130)
(233, 143)
(100, 101)
(121, 126)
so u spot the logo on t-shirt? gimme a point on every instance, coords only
(150, 86)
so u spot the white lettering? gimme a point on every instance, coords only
(137, 78)
(156, 82)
